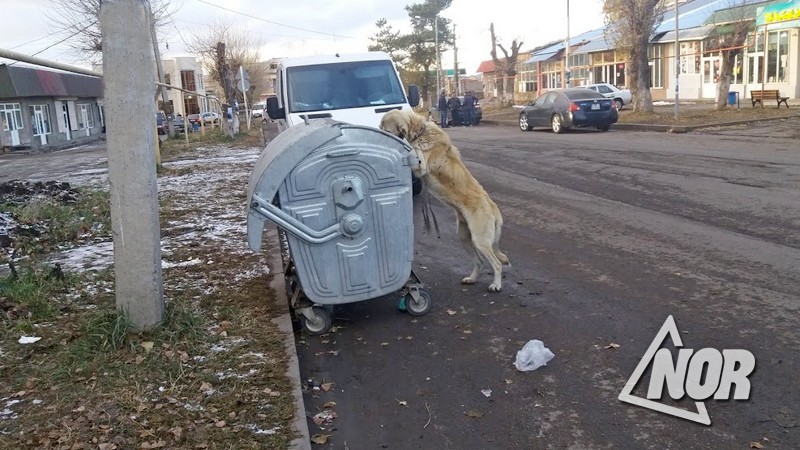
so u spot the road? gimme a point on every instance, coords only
(608, 234)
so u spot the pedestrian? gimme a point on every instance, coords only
(469, 109)
(442, 107)
(454, 105)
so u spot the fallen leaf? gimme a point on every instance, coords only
(206, 386)
(220, 423)
(467, 331)
(147, 346)
(384, 343)
(326, 386)
(329, 405)
(509, 381)
(451, 312)
(472, 413)
(177, 432)
(402, 402)
(107, 446)
(612, 345)
(755, 444)
(320, 439)
(139, 359)
(486, 392)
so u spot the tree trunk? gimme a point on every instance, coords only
(639, 76)
(724, 84)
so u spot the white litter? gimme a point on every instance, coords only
(28, 339)
(486, 392)
(532, 356)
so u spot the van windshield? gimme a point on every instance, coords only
(343, 85)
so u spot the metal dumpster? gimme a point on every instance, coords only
(341, 197)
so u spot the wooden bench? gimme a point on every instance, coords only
(768, 94)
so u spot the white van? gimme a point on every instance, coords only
(355, 88)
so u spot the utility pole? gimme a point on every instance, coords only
(160, 71)
(677, 61)
(438, 58)
(455, 62)
(131, 160)
(567, 73)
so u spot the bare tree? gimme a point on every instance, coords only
(729, 38)
(77, 22)
(240, 51)
(507, 66)
(630, 24)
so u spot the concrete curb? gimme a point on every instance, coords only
(284, 324)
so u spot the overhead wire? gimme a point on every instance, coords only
(275, 23)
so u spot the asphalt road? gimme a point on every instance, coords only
(608, 234)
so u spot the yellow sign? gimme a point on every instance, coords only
(782, 16)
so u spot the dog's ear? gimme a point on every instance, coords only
(395, 122)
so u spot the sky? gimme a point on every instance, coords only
(314, 27)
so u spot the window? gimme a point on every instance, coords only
(85, 117)
(12, 116)
(656, 66)
(187, 80)
(40, 119)
(777, 63)
(690, 57)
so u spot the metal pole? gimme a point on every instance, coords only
(438, 57)
(244, 94)
(131, 160)
(677, 62)
(764, 63)
(568, 80)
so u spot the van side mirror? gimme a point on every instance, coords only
(413, 95)
(273, 111)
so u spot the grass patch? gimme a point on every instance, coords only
(211, 375)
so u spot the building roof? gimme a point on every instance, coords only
(24, 81)
(684, 34)
(486, 66)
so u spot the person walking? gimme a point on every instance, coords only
(454, 105)
(469, 109)
(442, 107)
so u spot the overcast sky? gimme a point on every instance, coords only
(309, 27)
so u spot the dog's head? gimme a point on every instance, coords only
(403, 124)
(410, 126)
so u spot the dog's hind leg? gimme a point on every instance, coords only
(465, 237)
(498, 228)
(483, 242)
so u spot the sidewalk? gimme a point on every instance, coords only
(691, 116)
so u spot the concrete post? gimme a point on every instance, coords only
(129, 68)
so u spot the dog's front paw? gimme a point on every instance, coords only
(468, 280)
(495, 287)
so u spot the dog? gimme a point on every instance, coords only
(445, 176)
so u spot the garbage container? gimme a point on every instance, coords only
(732, 97)
(341, 197)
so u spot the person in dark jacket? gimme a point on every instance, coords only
(469, 109)
(442, 107)
(454, 105)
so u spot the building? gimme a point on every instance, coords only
(187, 73)
(43, 108)
(703, 28)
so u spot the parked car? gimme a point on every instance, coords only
(561, 109)
(621, 96)
(161, 123)
(258, 109)
(210, 117)
(478, 111)
(178, 124)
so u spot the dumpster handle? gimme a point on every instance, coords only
(292, 225)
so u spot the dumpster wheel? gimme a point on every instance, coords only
(419, 306)
(315, 320)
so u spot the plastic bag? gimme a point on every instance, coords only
(532, 356)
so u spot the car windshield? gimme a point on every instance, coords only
(580, 94)
(343, 85)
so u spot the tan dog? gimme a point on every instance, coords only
(479, 219)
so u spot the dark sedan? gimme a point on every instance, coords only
(561, 109)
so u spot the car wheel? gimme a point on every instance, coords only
(604, 127)
(523, 123)
(619, 103)
(556, 125)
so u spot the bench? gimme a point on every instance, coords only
(767, 94)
